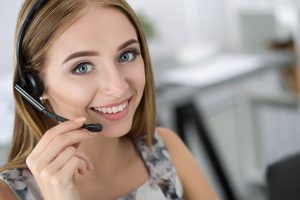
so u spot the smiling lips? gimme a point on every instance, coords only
(114, 109)
(114, 112)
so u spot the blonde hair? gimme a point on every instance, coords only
(48, 23)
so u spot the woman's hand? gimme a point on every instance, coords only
(56, 158)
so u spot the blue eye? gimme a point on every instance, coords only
(125, 57)
(82, 68)
(128, 55)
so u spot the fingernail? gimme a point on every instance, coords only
(80, 119)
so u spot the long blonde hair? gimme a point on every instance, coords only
(51, 20)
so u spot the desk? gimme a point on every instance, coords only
(219, 70)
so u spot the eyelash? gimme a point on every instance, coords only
(78, 66)
(134, 51)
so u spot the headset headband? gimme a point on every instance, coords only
(19, 50)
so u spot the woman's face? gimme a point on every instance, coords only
(95, 69)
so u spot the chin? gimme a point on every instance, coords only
(115, 131)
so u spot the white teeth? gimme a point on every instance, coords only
(114, 109)
(120, 107)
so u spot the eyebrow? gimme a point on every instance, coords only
(127, 43)
(80, 54)
(95, 53)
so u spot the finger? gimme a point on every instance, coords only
(68, 171)
(58, 145)
(61, 160)
(66, 155)
(55, 131)
(84, 157)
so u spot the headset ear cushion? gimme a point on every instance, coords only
(34, 84)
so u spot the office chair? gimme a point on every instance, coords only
(283, 179)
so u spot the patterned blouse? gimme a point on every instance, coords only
(163, 183)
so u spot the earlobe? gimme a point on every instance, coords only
(42, 99)
(44, 96)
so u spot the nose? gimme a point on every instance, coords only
(114, 83)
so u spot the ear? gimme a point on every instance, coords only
(45, 94)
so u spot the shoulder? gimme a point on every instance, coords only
(180, 154)
(174, 144)
(170, 138)
(14, 183)
(5, 192)
(193, 180)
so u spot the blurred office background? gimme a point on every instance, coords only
(227, 81)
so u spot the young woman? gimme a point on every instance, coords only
(92, 61)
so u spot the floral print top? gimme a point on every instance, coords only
(163, 183)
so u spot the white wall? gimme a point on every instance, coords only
(8, 17)
(182, 22)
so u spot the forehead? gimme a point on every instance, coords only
(100, 26)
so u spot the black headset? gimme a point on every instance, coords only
(30, 86)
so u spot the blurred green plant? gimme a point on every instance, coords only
(148, 26)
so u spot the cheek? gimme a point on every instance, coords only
(137, 77)
(69, 98)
